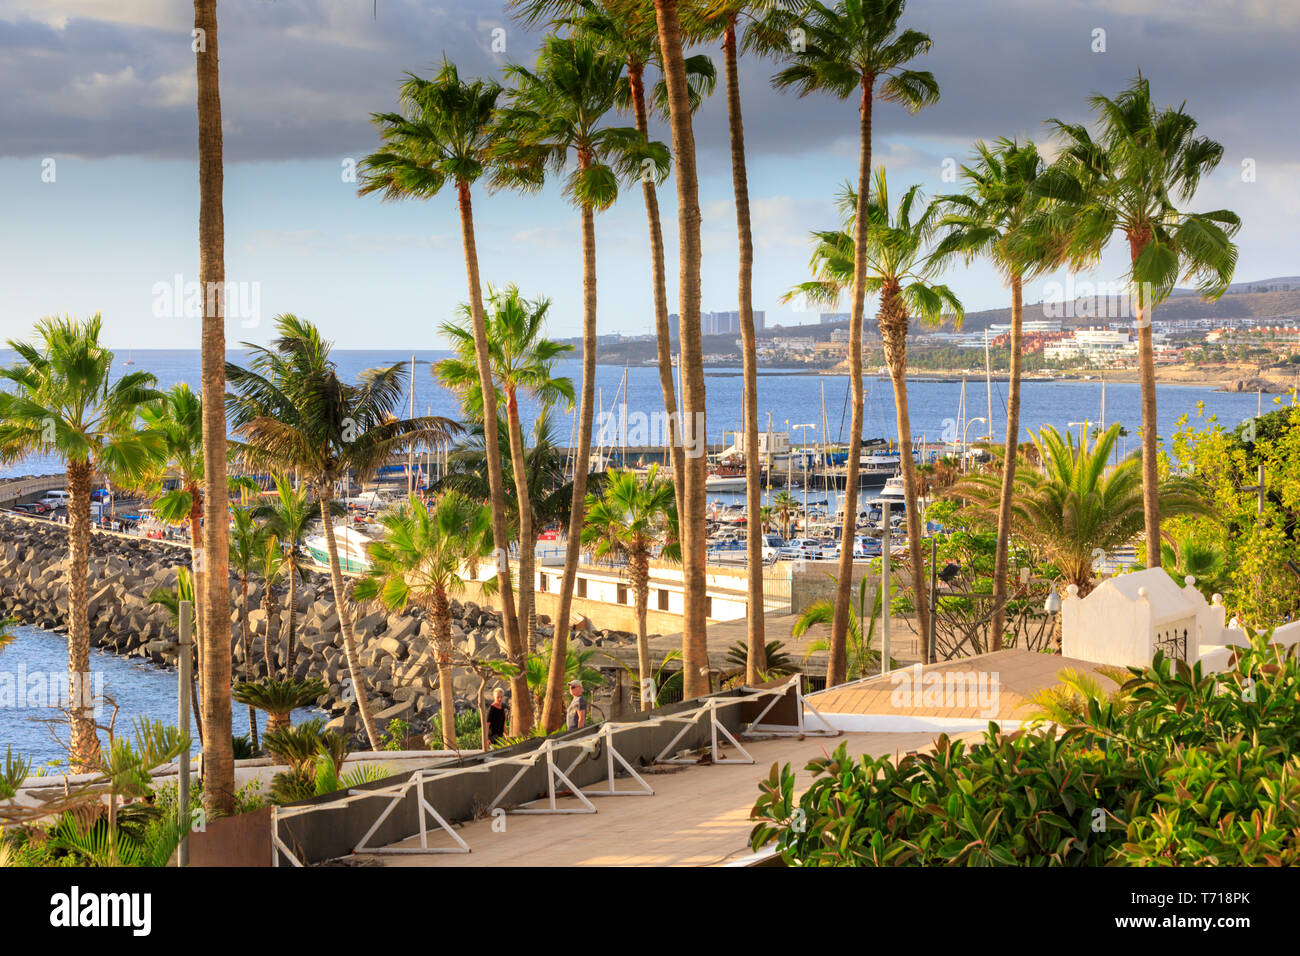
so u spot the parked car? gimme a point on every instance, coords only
(56, 499)
(31, 508)
(772, 545)
(809, 549)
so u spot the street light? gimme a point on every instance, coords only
(805, 471)
(966, 445)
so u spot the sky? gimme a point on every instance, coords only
(99, 180)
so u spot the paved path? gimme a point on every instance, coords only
(698, 815)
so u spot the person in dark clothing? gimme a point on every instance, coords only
(576, 713)
(496, 716)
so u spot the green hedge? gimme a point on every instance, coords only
(1176, 768)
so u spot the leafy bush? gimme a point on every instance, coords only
(1177, 768)
(468, 735)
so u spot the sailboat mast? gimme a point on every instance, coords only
(988, 381)
(410, 449)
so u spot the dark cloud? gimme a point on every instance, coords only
(299, 77)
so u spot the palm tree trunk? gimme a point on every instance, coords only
(837, 660)
(268, 610)
(197, 566)
(640, 569)
(291, 599)
(1150, 446)
(345, 623)
(218, 754)
(659, 283)
(441, 614)
(527, 558)
(84, 750)
(522, 710)
(695, 649)
(244, 631)
(893, 330)
(755, 661)
(1008, 470)
(553, 705)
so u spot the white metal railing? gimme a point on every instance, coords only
(546, 755)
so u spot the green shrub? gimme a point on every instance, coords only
(1177, 768)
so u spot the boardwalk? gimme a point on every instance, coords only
(698, 815)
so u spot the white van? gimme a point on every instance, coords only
(56, 499)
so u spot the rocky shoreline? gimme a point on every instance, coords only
(395, 648)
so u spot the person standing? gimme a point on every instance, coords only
(497, 715)
(576, 714)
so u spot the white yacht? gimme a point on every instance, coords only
(353, 548)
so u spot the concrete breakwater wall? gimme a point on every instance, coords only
(395, 652)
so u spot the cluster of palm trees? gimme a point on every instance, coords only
(1026, 216)
(558, 119)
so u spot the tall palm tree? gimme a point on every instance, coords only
(63, 403)
(246, 538)
(557, 109)
(855, 48)
(444, 135)
(214, 607)
(894, 248)
(520, 358)
(1127, 179)
(631, 517)
(420, 559)
(784, 506)
(695, 649)
(549, 489)
(626, 31)
(981, 221)
(1077, 504)
(714, 19)
(271, 564)
(169, 599)
(292, 412)
(177, 419)
(287, 516)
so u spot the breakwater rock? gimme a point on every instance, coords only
(395, 649)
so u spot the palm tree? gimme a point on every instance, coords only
(1076, 505)
(549, 489)
(1185, 553)
(1126, 180)
(177, 419)
(287, 516)
(271, 564)
(896, 267)
(62, 403)
(862, 658)
(214, 607)
(695, 648)
(981, 221)
(784, 506)
(420, 558)
(557, 109)
(246, 538)
(625, 30)
(169, 599)
(719, 18)
(445, 135)
(520, 359)
(630, 519)
(293, 413)
(279, 698)
(856, 48)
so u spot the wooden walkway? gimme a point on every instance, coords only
(698, 815)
